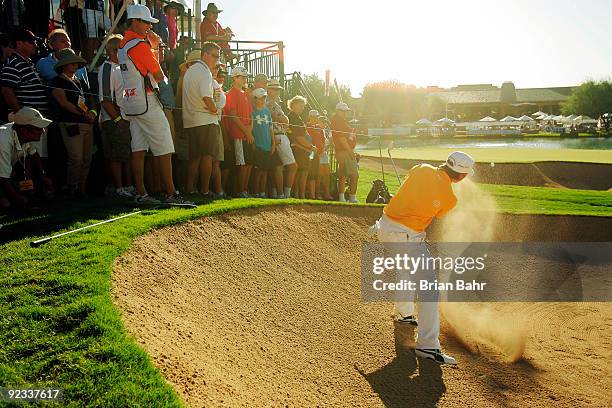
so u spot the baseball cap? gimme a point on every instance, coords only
(24, 35)
(239, 71)
(461, 163)
(140, 12)
(313, 112)
(259, 93)
(261, 77)
(29, 116)
(341, 106)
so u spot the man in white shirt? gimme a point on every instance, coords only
(17, 140)
(201, 119)
(116, 137)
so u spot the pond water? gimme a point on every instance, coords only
(597, 143)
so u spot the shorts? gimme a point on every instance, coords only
(203, 140)
(220, 156)
(92, 23)
(283, 149)
(265, 160)
(116, 142)
(244, 152)
(347, 166)
(151, 130)
(302, 158)
(313, 173)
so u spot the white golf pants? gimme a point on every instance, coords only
(429, 320)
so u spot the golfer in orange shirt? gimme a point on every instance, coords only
(425, 193)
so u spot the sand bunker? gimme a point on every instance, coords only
(263, 308)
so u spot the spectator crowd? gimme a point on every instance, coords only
(162, 115)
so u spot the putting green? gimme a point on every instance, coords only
(508, 155)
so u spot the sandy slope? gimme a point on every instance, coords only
(263, 308)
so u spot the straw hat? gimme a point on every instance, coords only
(67, 56)
(192, 57)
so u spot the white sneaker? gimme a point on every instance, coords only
(436, 355)
(123, 193)
(146, 200)
(353, 200)
(341, 198)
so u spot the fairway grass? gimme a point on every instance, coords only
(59, 327)
(501, 155)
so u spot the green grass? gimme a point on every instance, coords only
(502, 155)
(58, 324)
(521, 199)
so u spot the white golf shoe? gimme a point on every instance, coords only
(436, 355)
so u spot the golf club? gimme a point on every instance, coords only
(41, 241)
(399, 180)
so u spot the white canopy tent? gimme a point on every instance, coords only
(538, 113)
(423, 121)
(525, 118)
(445, 120)
(509, 119)
(488, 119)
(584, 119)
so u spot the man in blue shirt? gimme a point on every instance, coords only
(58, 40)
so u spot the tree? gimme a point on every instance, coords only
(316, 86)
(591, 98)
(394, 102)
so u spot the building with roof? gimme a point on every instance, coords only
(471, 102)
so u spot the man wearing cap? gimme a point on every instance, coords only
(344, 143)
(21, 169)
(425, 193)
(283, 145)
(211, 30)
(138, 59)
(238, 110)
(200, 119)
(21, 85)
(220, 99)
(260, 81)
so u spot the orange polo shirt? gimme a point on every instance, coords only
(425, 193)
(141, 55)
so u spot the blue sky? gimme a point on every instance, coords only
(444, 43)
(535, 43)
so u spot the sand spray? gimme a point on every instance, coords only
(480, 327)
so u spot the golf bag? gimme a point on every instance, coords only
(379, 193)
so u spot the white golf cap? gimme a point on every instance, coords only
(141, 12)
(259, 93)
(29, 116)
(313, 112)
(461, 163)
(341, 106)
(239, 71)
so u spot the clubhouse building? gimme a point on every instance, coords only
(472, 102)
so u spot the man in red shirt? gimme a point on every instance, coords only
(238, 110)
(344, 142)
(211, 30)
(138, 57)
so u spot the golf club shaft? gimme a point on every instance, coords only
(399, 180)
(47, 239)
